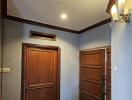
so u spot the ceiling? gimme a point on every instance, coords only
(129, 4)
(80, 13)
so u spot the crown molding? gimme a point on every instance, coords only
(96, 25)
(6, 16)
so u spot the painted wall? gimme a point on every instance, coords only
(98, 37)
(122, 60)
(15, 34)
(12, 59)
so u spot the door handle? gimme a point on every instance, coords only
(27, 87)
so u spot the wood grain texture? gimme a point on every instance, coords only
(92, 69)
(41, 72)
(108, 75)
(0, 8)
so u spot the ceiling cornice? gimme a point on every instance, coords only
(40, 24)
(5, 15)
(96, 25)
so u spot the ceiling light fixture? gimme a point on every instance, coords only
(117, 9)
(63, 16)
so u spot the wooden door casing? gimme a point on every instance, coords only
(108, 75)
(41, 72)
(1, 8)
(92, 74)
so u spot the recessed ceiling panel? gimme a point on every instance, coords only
(79, 14)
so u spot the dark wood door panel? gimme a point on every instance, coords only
(92, 71)
(86, 96)
(39, 69)
(41, 94)
(41, 73)
(92, 57)
(95, 74)
(91, 88)
(92, 74)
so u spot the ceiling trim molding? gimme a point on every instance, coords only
(40, 24)
(96, 25)
(6, 16)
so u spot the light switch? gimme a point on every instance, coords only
(115, 69)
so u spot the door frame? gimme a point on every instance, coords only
(23, 70)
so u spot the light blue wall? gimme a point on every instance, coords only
(121, 40)
(69, 44)
(98, 37)
(15, 34)
(122, 60)
(12, 58)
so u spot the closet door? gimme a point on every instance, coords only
(92, 75)
(108, 75)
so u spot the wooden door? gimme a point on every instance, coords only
(108, 75)
(92, 73)
(41, 72)
(0, 8)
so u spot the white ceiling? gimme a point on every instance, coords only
(81, 13)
